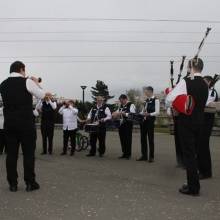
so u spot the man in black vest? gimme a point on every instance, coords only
(190, 126)
(204, 155)
(150, 111)
(100, 114)
(16, 92)
(126, 126)
(47, 108)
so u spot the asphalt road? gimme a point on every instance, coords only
(81, 188)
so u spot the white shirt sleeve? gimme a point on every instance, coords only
(36, 113)
(157, 108)
(61, 110)
(53, 105)
(89, 115)
(180, 89)
(34, 89)
(108, 113)
(211, 98)
(39, 105)
(132, 109)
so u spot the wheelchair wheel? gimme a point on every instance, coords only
(84, 142)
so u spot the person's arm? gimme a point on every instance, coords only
(53, 104)
(61, 110)
(35, 112)
(180, 89)
(35, 90)
(39, 105)
(108, 115)
(157, 108)
(211, 98)
(74, 110)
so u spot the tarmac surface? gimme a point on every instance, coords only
(82, 188)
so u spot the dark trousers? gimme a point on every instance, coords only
(179, 151)
(147, 135)
(2, 141)
(100, 136)
(69, 134)
(190, 136)
(28, 143)
(47, 131)
(204, 155)
(125, 134)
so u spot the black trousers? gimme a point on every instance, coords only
(27, 140)
(125, 134)
(147, 135)
(190, 135)
(204, 155)
(179, 151)
(69, 134)
(98, 136)
(47, 131)
(2, 141)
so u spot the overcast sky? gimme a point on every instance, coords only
(64, 64)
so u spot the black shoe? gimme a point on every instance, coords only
(204, 177)
(127, 157)
(43, 153)
(90, 155)
(122, 157)
(32, 186)
(101, 155)
(50, 153)
(186, 191)
(72, 153)
(13, 188)
(63, 153)
(151, 160)
(142, 159)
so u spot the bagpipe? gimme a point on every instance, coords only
(185, 103)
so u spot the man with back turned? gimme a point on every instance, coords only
(17, 93)
(190, 124)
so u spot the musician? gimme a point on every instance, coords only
(126, 127)
(190, 124)
(47, 108)
(100, 114)
(150, 111)
(2, 133)
(69, 112)
(204, 155)
(17, 92)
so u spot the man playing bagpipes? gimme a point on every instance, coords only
(98, 116)
(150, 111)
(189, 99)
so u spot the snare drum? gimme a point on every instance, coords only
(92, 128)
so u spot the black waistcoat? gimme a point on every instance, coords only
(48, 113)
(98, 113)
(198, 89)
(17, 101)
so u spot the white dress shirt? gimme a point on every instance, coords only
(157, 107)
(180, 89)
(69, 117)
(1, 118)
(31, 86)
(107, 112)
(40, 105)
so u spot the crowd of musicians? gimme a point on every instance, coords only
(192, 131)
